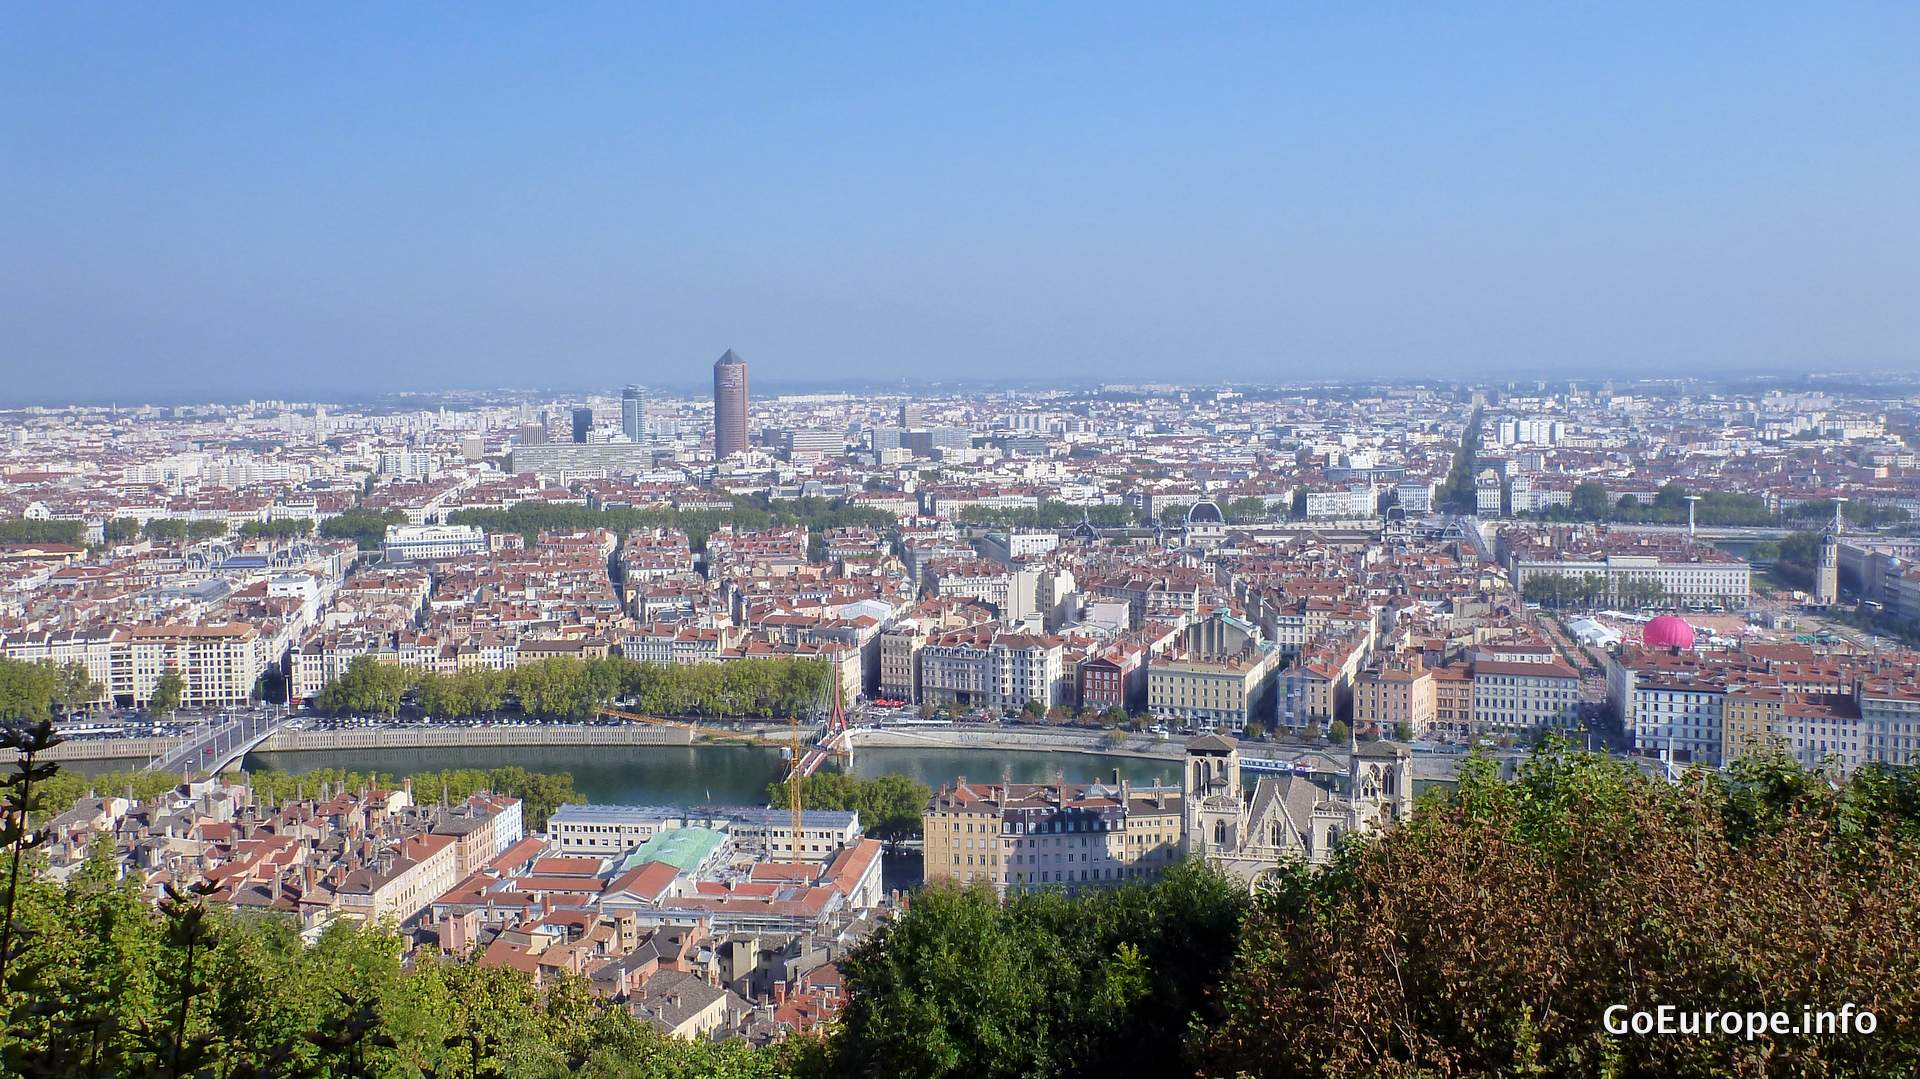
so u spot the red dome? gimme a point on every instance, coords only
(1668, 631)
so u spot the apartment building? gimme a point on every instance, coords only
(1524, 698)
(1398, 699)
(1017, 836)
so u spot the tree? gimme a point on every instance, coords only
(1102, 984)
(1250, 508)
(1338, 732)
(28, 530)
(168, 693)
(73, 688)
(1115, 716)
(121, 530)
(278, 528)
(890, 806)
(1458, 493)
(164, 529)
(1589, 500)
(366, 528)
(1489, 936)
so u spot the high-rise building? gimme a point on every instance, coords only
(633, 413)
(582, 423)
(729, 405)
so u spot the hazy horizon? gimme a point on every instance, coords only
(221, 202)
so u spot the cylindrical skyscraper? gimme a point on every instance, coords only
(729, 405)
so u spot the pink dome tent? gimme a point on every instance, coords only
(1668, 631)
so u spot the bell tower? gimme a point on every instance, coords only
(1214, 810)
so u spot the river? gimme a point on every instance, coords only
(721, 775)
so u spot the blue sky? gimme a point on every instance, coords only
(217, 199)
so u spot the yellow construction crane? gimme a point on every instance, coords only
(836, 718)
(794, 779)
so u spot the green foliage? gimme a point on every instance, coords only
(1251, 508)
(1716, 509)
(39, 689)
(1042, 985)
(540, 793)
(367, 528)
(817, 514)
(23, 530)
(278, 528)
(1589, 500)
(122, 530)
(168, 692)
(889, 806)
(1489, 935)
(1049, 515)
(108, 986)
(1861, 514)
(1458, 492)
(567, 687)
(176, 529)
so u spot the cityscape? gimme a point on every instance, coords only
(802, 543)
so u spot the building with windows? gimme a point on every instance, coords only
(633, 415)
(729, 405)
(1524, 698)
(1397, 699)
(414, 543)
(1251, 832)
(1017, 836)
(1220, 676)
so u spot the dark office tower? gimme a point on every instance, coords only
(633, 414)
(913, 415)
(729, 405)
(582, 423)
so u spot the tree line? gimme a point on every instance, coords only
(817, 514)
(1555, 591)
(573, 688)
(1589, 501)
(28, 530)
(1460, 492)
(1050, 515)
(540, 793)
(366, 528)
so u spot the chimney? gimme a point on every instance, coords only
(779, 993)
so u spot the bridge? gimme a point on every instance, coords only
(1709, 533)
(217, 746)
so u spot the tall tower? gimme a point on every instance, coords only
(582, 423)
(1826, 576)
(729, 405)
(633, 413)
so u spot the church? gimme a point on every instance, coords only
(1287, 818)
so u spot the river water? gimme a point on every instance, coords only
(722, 775)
